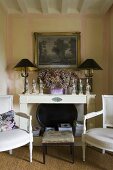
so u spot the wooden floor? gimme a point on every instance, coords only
(57, 159)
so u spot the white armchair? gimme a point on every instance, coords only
(15, 137)
(100, 137)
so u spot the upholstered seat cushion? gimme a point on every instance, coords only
(101, 137)
(58, 137)
(13, 139)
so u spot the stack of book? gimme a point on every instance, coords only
(79, 128)
(36, 131)
(49, 128)
(65, 127)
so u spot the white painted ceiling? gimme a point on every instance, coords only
(58, 7)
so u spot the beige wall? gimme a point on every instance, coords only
(93, 38)
(91, 28)
(3, 64)
(16, 42)
(110, 74)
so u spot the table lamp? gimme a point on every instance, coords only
(25, 66)
(89, 65)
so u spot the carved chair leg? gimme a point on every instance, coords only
(103, 151)
(10, 152)
(83, 148)
(30, 150)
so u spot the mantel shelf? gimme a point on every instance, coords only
(48, 98)
(25, 99)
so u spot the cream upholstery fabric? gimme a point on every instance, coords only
(101, 137)
(15, 138)
(58, 137)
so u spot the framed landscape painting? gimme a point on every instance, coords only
(57, 50)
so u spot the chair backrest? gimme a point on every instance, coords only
(52, 115)
(6, 103)
(107, 101)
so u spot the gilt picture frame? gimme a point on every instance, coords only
(57, 50)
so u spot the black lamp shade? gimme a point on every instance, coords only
(25, 63)
(24, 66)
(89, 64)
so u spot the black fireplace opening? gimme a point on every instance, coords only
(54, 115)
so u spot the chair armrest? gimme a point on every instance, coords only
(89, 116)
(23, 121)
(23, 115)
(93, 114)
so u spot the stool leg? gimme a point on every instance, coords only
(71, 148)
(72, 145)
(44, 151)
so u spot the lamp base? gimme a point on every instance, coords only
(25, 92)
(90, 83)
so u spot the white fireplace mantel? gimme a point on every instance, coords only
(25, 99)
(85, 102)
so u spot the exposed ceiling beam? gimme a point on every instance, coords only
(44, 6)
(80, 4)
(84, 6)
(22, 5)
(106, 6)
(53, 6)
(65, 6)
(4, 6)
